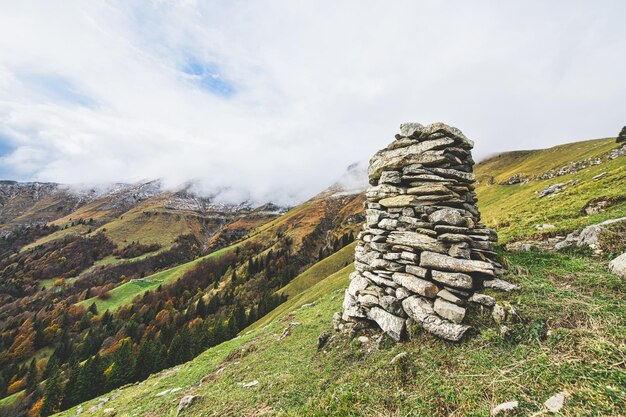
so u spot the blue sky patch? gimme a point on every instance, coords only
(6, 146)
(56, 88)
(209, 78)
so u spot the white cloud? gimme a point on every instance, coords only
(102, 91)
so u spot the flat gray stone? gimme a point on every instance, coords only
(449, 311)
(418, 271)
(450, 264)
(357, 283)
(453, 279)
(555, 403)
(390, 177)
(448, 216)
(431, 188)
(417, 241)
(418, 308)
(410, 129)
(483, 299)
(449, 296)
(504, 408)
(394, 326)
(500, 284)
(399, 201)
(444, 328)
(416, 285)
(418, 153)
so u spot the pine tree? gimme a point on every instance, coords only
(252, 315)
(93, 309)
(214, 305)
(72, 388)
(201, 308)
(145, 359)
(239, 315)
(53, 394)
(31, 376)
(180, 348)
(3, 386)
(123, 369)
(92, 375)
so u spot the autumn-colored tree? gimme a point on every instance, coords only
(35, 410)
(23, 345)
(16, 386)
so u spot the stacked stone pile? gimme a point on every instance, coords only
(423, 253)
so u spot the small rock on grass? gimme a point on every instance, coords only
(618, 266)
(322, 339)
(504, 408)
(556, 402)
(186, 401)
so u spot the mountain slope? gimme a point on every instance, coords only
(569, 338)
(516, 210)
(565, 327)
(294, 380)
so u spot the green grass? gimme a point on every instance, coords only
(516, 210)
(125, 293)
(9, 400)
(328, 274)
(571, 334)
(319, 271)
(330, 283)
(571, 338)
(535, 162)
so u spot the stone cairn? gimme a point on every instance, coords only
(422, 254)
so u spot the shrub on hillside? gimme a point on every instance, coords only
(622, 135)
(613, 240)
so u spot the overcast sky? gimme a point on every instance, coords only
(275, 98)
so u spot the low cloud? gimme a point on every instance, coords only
(271, 100)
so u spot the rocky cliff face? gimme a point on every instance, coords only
(423, 253)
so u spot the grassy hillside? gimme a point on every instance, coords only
(125, 293)
(319, 271)
(534, 162)
(299, 290)
(571, 338)
(516, 210)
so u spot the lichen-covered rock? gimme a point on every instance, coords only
(504, 312)
(444, 329)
